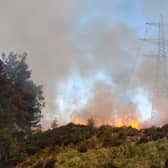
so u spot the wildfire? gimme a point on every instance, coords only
(119, 123)
(128, 122)
(79, 122)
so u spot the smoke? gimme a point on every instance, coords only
(99, 107)
(112, 50)
(89, 36)
(44, 31)
(152, 9)
(104, 108)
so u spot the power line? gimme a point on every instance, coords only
(160, 88)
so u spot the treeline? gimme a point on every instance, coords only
(21, 102)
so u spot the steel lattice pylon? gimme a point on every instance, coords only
(160, 87)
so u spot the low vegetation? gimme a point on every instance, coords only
(76, 146)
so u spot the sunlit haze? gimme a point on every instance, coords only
(89, 56)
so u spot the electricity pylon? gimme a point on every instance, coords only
(160, 87)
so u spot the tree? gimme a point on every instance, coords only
(21, 102)
(7, 114)
(30, 98)
(7, 108)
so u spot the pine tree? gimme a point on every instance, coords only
(7, 115)
(21, 102)
(30, 98)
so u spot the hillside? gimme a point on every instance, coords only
(78, 146)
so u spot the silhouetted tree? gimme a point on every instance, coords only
(31, 100)
(21, 102)
(7, 114)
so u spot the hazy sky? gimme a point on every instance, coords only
(74, 45)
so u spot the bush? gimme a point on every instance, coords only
(82, 148)
(93, 143)
(109, 138)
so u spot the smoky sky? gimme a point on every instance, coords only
(86, 35)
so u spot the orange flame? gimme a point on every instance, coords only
(128, 123)
(79, 122)
(119, 123)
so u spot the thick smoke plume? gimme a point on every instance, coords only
(60, 36)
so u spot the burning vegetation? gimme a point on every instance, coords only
(128, 123)
(119, 123)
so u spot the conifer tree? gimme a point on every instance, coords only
(21, 102)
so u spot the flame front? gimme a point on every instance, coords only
(79, 122)
(128, 122)
(119, 123)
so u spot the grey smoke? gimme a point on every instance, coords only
(44, 29)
